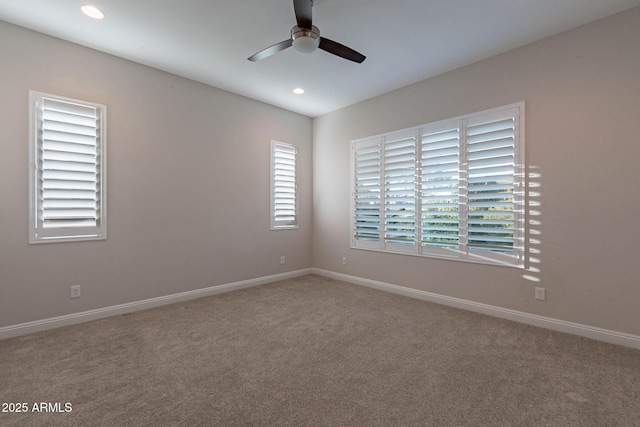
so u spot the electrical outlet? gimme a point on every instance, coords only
(282, 260)
(539, 294)
(75, 291)
(344, 260)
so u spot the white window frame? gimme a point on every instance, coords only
(376, 202)
(284, 186)
(40, 229)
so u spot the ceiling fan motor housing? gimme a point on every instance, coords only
(305, 40)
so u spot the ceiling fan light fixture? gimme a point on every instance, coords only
(92, 11)
(305, 40)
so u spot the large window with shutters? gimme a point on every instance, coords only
(284, 189)
(67, 186)
(453, 189)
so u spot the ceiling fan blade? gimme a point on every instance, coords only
(303, 12)
(341, 50)
(271, 50)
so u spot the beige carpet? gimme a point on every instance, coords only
(315, 351)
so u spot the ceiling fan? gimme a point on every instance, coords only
(305, 38)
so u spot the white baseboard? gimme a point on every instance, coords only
(599, 334)
(85, 316)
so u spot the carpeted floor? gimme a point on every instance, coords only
(315, 351)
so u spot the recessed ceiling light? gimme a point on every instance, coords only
(92, 11)
(298, 91)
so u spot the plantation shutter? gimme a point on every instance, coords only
(367, 169)
(400, 188)
(453, 188)
(69, 169)
(440, 161)
(491, 218)
(284, 187)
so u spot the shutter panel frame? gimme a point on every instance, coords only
(284, 186)
(492, 168)
(440, 181)
(400, 188)
(67, 180)
(367, 201)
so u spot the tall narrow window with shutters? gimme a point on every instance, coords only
(284, 188)
(67, 186)
(453, 189)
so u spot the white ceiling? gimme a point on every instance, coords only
(405, 41)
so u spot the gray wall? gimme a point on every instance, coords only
(188, 180)
(582, 95)
(188, 184)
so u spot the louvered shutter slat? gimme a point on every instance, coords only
(72, 149)
(450, 157)
(71, 222)
(70, 166)
(49, 135)
(68, 185)
(55, 193)
(69, 213)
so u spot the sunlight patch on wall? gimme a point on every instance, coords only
(534, 233)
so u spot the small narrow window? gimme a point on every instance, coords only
(284, 197)
(67, 191)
